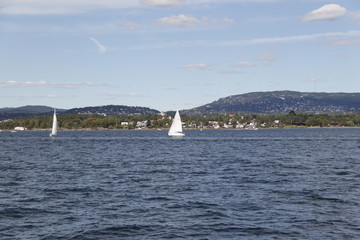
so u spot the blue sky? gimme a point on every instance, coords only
(173, 54)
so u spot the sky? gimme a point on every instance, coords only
(173, 54)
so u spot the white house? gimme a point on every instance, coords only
(124, 123)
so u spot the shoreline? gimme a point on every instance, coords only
(166, 129)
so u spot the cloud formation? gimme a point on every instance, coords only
(163, 3)
(247, 42)
(346, 42)
(102, 48)
(16, 84)
(244, 64)
(56, 7)
(326, 12)
(46, 7)
(188, 21)
(196, 67)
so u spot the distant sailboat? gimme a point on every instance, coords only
(54, 126)
(176, 127)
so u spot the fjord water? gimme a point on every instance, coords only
(211, 184)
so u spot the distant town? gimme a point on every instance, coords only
(163, 121)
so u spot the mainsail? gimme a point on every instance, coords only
(54, 126)
(176, 126)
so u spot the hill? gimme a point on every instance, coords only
(109, 110)
(26, 111)
(282, 102)
(113, 110)
(31, 109)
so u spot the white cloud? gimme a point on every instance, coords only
(16, 84)
(179, 21)
(188, 21)
(29, 96)
(102, 48)
(326, 12)
(47, 7)
(272, 40)
(163, 3)
(346, 42)
(245, 64)
(197, 66)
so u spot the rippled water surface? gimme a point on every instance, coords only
(211, 184)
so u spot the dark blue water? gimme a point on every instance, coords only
(211, 184)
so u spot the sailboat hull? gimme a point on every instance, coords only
(177, 134)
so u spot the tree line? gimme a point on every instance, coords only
(155, 121)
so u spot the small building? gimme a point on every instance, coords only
(276, 123)
(214, 124)
(125, 123)
(19, 128)
(141, 124)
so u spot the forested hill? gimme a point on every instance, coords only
(113, 110)
(283, 102)
(109, 110)
(26, 111)
(277, 102)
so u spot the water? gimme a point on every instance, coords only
(211, 184)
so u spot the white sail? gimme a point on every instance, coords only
(176, 126)
(54, 126)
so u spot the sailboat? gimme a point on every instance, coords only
(176, 126)
(54, 126)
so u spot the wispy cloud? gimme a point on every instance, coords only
(244, 64)
(326, 12)
(102, 48)
(16, 84)
(339, 55)
(46, 7)
(78, 84)
(41, 96)
(163, 3)
(246, 42)
(196, 67)
(56, 7)
(346, 42)
(31, 96)
(188, 21)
